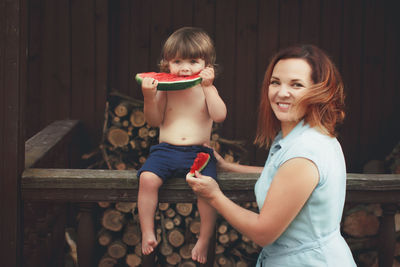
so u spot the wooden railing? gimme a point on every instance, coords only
(90, 186)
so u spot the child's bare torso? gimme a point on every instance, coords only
(186, 118)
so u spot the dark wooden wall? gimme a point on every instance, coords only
(68, 63)
(13, 44)
(81, 50)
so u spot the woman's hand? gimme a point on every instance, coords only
(233, 167)
(204, 186)
(220, 160)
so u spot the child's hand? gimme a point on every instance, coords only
(208, 76)
(149, 87)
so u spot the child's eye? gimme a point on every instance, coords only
(193, 61)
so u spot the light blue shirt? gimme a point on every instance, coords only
(313, 238)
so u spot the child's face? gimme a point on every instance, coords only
(186, 67)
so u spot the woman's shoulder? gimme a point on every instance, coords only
(312, 144)
(313, 137)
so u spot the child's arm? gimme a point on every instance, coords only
(154, 102)
(216, 106)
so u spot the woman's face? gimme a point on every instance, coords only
(290, 80)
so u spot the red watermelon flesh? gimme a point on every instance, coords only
(199, 163)
(170, 82)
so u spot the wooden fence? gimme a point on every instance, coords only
(90, 186)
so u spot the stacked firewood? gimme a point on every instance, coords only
(126, 138)
(125, 144)
(177, 229)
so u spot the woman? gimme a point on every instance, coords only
(301, 190)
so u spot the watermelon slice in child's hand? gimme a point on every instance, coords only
(170, 82)
(199, 163)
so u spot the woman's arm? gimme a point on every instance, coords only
(235, 167)
(292, 185)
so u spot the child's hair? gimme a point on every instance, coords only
(324, 102)
(188, 42)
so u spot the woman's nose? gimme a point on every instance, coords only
(283, 91)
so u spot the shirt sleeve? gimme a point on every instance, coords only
(307, 150)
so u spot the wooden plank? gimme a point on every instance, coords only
(3, 103)
(390, 109)
(183, 12)
(109, 185)
(112, 179)
(51, 137)
(13, 41)
(83, 69)
(204, 16)
(373, 182)
(310, 22)
(121, 45)
(268, 42)
(34, 92)
(371, 80)
(331, 30)
(55, 87)
(160, 29)
(246, 91)
(139, 44)
(225, 46)
(101, 65)
(289, 21)
(351, 72)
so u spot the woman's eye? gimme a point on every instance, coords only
(297, 85)
(274, 82)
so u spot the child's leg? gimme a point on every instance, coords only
(208, 216)
(149, 183)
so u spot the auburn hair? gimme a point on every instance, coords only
(324, 103)
(188, 42)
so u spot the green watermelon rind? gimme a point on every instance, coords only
(202, 166)
(173, 86)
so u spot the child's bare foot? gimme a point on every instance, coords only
(149, 243)
(199, 252)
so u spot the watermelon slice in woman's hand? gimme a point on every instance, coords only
(199, 163)
(170, 82)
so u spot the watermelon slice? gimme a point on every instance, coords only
(199, 163)
(170, 82)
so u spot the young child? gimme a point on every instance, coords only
(185, 119)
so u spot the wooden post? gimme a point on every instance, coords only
(387, 235)
(149, 260)
(13, 46)
(86, 235)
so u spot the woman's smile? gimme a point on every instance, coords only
(283, 106)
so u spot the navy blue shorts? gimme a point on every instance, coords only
(170, 161)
